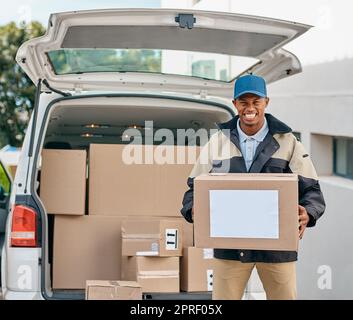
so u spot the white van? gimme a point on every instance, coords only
(90, 68)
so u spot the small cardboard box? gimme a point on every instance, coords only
(160, 237)
(246, 211)
(154, 274)
(63, 181)
(196, 270)
(113, 290)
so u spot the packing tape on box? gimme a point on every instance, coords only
(147, 253)
(112, 284)
(121, 283)
(116, 293)
(141, 236)
(158, 274)
(129, 297)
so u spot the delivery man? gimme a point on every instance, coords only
(257, 142)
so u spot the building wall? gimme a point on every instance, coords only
(325, 257)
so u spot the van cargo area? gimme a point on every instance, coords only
(88, 187)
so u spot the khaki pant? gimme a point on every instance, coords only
(231, 277)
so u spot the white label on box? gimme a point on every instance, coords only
(154, 246)
(208, 253)
(244, 214)
(209, 280)
(171, 239)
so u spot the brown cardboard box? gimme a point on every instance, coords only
(89, 247)
(272, 198)
(86, 247)
(113, 290)
(148, 237)
(188, 228)
(154, 274)
(63, 181)
(196, 270)
(116, 188)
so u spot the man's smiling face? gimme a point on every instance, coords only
(251, 111)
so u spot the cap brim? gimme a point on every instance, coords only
(258, 93)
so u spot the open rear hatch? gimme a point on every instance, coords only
(137, 49)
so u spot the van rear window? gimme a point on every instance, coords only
(209, 66)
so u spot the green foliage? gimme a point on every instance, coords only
(4, 180)
(16, 89)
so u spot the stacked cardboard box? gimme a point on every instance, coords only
(118, 186)
(63, 181)
(151, 251)
(160, 237)
(196, 270)
(88, 247)
(154, 274)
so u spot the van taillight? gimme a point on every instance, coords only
(24, 227)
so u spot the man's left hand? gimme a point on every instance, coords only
(303, 220)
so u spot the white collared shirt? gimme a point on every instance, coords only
(249, 144)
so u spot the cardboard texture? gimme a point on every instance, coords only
(154, 274)
(113, 290)
(285, 184)
(196, 270)
(86, 247)
(89, 247)
(63, 181)
(136, 189)
(152, 237)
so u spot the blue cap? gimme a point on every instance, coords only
(250, 84)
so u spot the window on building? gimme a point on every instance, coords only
(343, 155)
(297, 135)
(204, 68)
